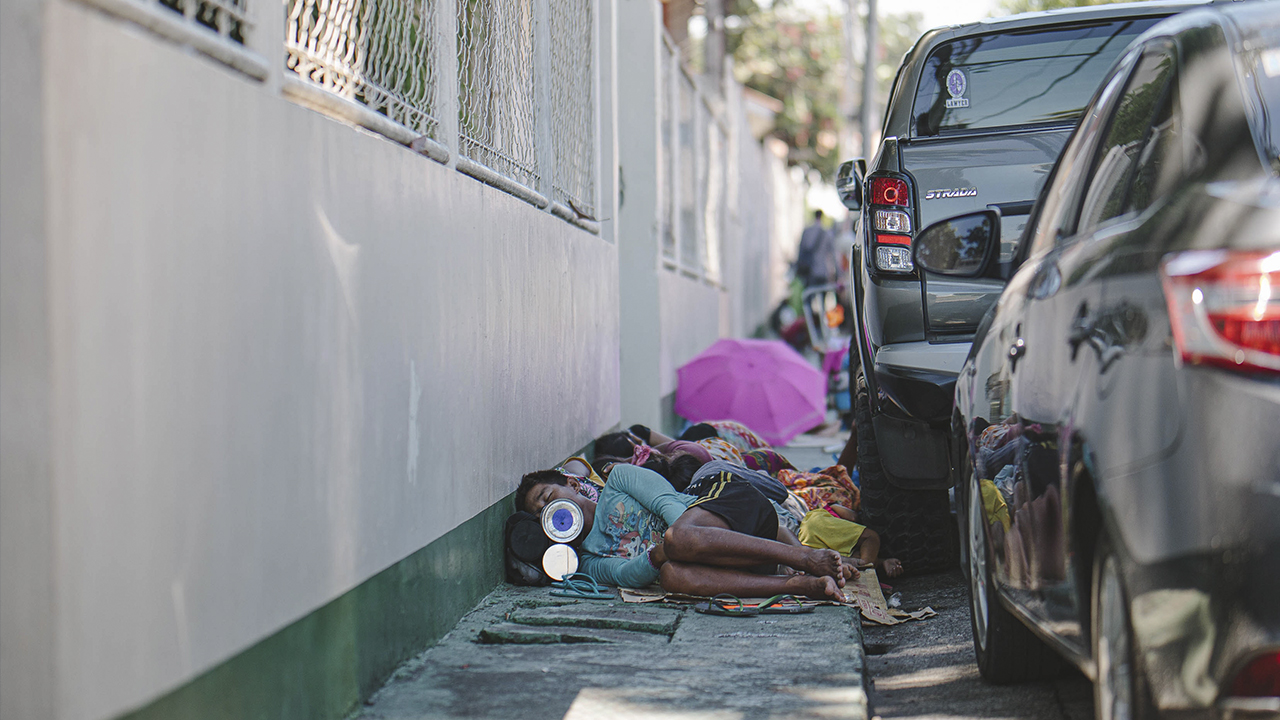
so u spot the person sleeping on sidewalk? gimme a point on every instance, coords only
(726, 539)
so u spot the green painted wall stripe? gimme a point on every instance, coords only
(327, 663)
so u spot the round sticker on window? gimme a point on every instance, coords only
(957, 84)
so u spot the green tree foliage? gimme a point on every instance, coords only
(799, 59)
(898, 34)
(1013, 7)
(797, 55)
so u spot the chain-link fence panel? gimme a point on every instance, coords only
(666, 151)
(497, 110)
(374, 52)
(228, 18)
(688, 169)
(572, 106)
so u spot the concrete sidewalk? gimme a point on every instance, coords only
(523, 653)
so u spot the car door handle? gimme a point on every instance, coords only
(1081, 332)
(1016, 352)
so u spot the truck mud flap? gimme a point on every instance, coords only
(913, 455)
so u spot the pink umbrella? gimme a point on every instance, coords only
(763, 384)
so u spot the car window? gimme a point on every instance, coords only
(1144, 112)
(1056, 204)
(1018, 78)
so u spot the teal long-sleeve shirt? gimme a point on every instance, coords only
(636, 507)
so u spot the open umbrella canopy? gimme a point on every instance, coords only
(763, 384)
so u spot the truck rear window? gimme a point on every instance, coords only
(1019, 78)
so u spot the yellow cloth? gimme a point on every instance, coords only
(821, 529)
(993, 504)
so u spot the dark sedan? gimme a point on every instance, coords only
(1117, 423)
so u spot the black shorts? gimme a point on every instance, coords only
(740, 505)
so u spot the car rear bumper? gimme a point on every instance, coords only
(920, 378)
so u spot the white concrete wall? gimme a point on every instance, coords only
(278, 354)
(26, 494)
(638, 215)
(690, 313)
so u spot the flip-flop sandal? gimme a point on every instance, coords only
(577, 587)
(580, 577)
(727, 605)
(783, 605)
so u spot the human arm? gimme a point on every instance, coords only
(651, 490)
(649, 435)
(842, 512)
(575, 466)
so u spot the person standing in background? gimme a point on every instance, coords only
(811, 256)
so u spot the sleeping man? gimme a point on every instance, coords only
(726, 539)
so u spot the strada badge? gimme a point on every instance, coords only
(950, 193)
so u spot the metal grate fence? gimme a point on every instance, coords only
(497, 109)
(375, 52)
(227, 18)
(666, 154)
(686, 158)
(518, 76)
(693, 170)
(572, 128)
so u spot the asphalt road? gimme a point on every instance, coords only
(925, 669)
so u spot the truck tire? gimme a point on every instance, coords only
(915, 526)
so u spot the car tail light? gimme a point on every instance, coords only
(888, 191)
(1260, 678)
(1224, 307)
(892, 224)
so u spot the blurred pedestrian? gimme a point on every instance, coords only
(816, 252)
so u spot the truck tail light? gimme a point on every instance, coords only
(894, 259)
(1260, 678)
(891, 222)
(889, 191)
(1224, 307)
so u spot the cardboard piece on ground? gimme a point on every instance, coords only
(921, 614)
(865, 593)
(653, 593)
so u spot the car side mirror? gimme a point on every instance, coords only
(959, 246)
(849, 182)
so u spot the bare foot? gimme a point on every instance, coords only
(890, 567)
(817, 588)
(823, 561)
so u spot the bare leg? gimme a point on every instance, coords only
(694, 579)
(868, 550)
(703, 537)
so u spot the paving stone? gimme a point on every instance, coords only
(608, 617)
(631, 661)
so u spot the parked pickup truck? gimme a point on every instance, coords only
(976, 120)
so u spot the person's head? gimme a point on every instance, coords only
(683, 467)
(615, 444)
(817, 216)
(539, 488)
